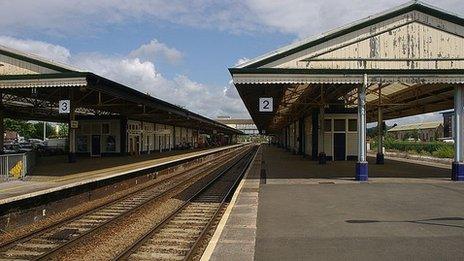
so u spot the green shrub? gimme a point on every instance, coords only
(436, 149)
(444, 152)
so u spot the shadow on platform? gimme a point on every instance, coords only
(281, 164)
(58, 165)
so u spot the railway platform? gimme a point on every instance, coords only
(53, 175)
(291, 208)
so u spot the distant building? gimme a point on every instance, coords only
(247, 126)
(425, 131)
(448, 123)
(10, 136)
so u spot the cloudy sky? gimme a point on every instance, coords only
(176, 50)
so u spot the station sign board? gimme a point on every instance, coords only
(64, 106)
(266, 104)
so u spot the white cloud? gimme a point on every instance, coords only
(51, 51)
(154, 50)
(241, 61)
(306, 18)
(142, 75)
(426, 117)
(297, 17)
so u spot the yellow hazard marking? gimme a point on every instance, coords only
(16, 171)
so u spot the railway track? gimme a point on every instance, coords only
(179, 236)
(44, 243)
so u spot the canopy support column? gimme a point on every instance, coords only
(315, 134)
(295, 138)
(302, 145)
(458, 164)
(380, 157)
(361, 165)
(2, 125)
(71, 130)
(322, 155)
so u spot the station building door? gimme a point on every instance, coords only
(134, 145)
(96, 146)
(339, 146)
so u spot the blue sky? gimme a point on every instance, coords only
(175, 50)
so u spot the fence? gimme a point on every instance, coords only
(16, 166)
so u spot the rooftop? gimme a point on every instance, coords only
(416, 126)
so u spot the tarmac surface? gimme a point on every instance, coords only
(306, 211)
(360, 222)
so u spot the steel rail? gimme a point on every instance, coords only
(209, 169)
(38, 233)
(145, 237)
(223, 204)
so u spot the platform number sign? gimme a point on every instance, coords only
(266, 105)
(65, 106)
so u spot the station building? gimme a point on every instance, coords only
(322, 91)
(105, 117)
(247, 126)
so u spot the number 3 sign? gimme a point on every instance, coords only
(266, 105)
(65, 106)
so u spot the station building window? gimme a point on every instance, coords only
(110, 143)
(105, 128)
(82, 143)
(328, 125)
(352, 125)
(339, 125)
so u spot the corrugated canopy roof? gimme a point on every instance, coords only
(416, 126)
(35, 95)
(326, 70)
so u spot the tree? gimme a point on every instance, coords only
(63, 130)
(34, 130)
(23, 128)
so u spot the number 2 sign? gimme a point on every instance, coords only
(266, 105)
(65, 106)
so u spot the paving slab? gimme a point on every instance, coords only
(234, 239)
(304, 211)
(38, 185)
(361, 222)
(406, 211)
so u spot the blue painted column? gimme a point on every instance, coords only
(457, 173)
(361, 165)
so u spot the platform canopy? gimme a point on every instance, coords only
(31, 87)
(413, 56)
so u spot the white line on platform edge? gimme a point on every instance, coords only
(78, 183)
(222, 223)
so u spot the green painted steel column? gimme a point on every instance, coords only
(2, 124)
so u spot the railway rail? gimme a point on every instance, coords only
(180, 235)
(44, 243)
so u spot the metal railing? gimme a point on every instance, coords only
(16, 166)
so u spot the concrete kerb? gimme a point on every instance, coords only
(78, 183)
(208, 253)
